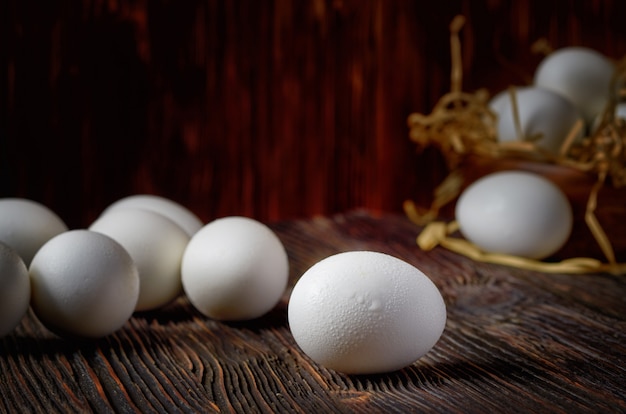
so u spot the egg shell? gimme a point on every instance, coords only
(620, 112)
(156, 245)
(26, 225)
(14, 289)
(176, 212)
(235, 268)
(515, 212)
(364, 312)
(84, 284)
(540, 112)
(581, 75)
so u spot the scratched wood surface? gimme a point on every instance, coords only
(268, 108)
(515, 341)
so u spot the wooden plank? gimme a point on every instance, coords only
(515, 341)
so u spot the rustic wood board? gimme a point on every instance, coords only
(515, 341)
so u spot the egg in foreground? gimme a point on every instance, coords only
(515, 212)
(234, 268)
(84, 284)
(365, 312)
(14, 289)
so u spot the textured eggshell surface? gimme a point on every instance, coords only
(515, 212)
(14, 289)
(26, 225)
(365, 312)
(235, 268)
(156, 245)
(581, 75)
(83, 284)
(541, 112)
(176, 212)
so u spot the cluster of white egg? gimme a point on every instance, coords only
(570, 84)
(355, 312)
(143, 252)
(521, 213)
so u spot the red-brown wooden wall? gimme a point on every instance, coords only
(267, 108)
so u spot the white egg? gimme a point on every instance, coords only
(156, 245)
(14, 289)
(365, 312)
(620, 112)
(235, 268)
(83, 284)
(540, 112)
(26, 225)
(169, 208)
(581, 75)
(515, 212)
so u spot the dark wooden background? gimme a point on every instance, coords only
(268, 108)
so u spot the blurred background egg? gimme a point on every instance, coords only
(26, 225)
(235, 268)
(620, 112)
(541, 112)
(581, 75)
(84, 284)
(174, 211)
(14, 289)
(515, 212)
(156, 245)
(364, 312)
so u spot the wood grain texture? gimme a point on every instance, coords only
(515, 341)
(272, 109)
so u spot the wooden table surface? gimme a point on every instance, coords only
(515, 341)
